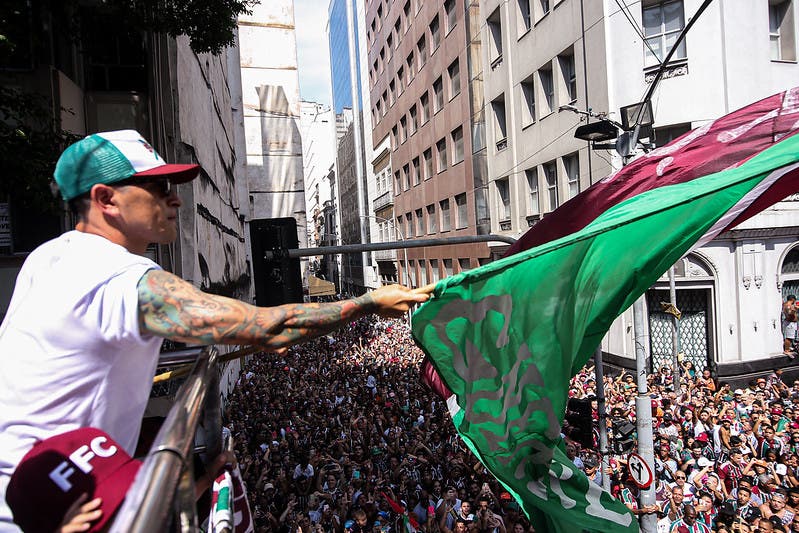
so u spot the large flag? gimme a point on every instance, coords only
(507, 337)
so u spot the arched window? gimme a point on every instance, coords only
(789, 274)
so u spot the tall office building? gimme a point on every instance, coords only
(547, 54)
(427, 100)
(345, 36)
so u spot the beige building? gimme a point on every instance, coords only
(546, 54)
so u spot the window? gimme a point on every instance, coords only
(781, 30)
(435, 274)
(422, 272)
(435, 34)
(409, 225)
(503, 198)
(431, 219)
(428, 163)
(464, 264)
(494, 23)
(414, 119)
(551, 175)
(571, 164)
(424, 101)
(391, 87)
(441, 149)
(665, 135)
(421, 51)
(419, 222)
(417, 176)
(500, 125)
(406, 177)
(389, 43)
(528, 101)
(403, 129)
(457, 145)
(454, 73)
(566, 62)
(406, 14)
(409, 63)
(523, 18)
(544, 4)
(397, 32)
(438, 95)
(545, 77)
(663, 22)
(397, 181)
(412, 273)
(461, 220)
(400, 80)
(446, 221)
(448, 267)
(394, 137)
(452, 16)
(532, 191)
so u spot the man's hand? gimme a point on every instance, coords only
(81, 514)
(395, 300)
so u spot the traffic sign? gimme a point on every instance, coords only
(639, 471)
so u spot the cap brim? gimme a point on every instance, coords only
(176, 173)
(113, 490)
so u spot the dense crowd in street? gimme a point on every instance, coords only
(340, 434)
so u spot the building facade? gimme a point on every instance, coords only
(345, 38)
(426, 99)
(546, 54)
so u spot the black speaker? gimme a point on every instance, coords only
(578, 415)
(278, 280)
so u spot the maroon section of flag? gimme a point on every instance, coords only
(723, 143)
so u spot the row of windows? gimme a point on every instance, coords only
(542, 187)
(424, 168)
(435, 218)
(420, 272)
(417, 58)
(396, 88)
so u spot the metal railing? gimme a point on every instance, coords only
(164, 486)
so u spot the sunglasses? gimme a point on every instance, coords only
(160, 186)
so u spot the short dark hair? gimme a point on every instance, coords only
(79, 206)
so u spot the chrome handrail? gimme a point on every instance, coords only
(151, 498)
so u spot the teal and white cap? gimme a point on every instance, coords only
(110, 157)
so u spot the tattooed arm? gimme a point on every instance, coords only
(173, 308)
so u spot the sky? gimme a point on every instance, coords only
(313, 58)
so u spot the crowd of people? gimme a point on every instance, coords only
(725, 458)
(340, 435)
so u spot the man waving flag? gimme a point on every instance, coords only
(507, 337)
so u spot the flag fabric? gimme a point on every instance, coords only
(410, 524)
(230, 510)
(720, 144)
(507, 337)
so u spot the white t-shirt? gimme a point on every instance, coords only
(71, 353)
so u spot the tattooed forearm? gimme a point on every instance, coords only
(172, 308)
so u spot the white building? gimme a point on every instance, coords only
(318, 154)
(544, 54)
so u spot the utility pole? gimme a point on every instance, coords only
(643, 414)
(675, 334)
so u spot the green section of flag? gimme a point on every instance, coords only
(507, 337)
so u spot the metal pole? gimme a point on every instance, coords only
(675, 333)
(293, 253)
(643, 412)
(599, 375)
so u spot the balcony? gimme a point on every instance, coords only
(384, 200)
(532, 220)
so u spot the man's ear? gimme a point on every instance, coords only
(102, 196)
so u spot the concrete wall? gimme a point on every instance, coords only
(271, 106)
